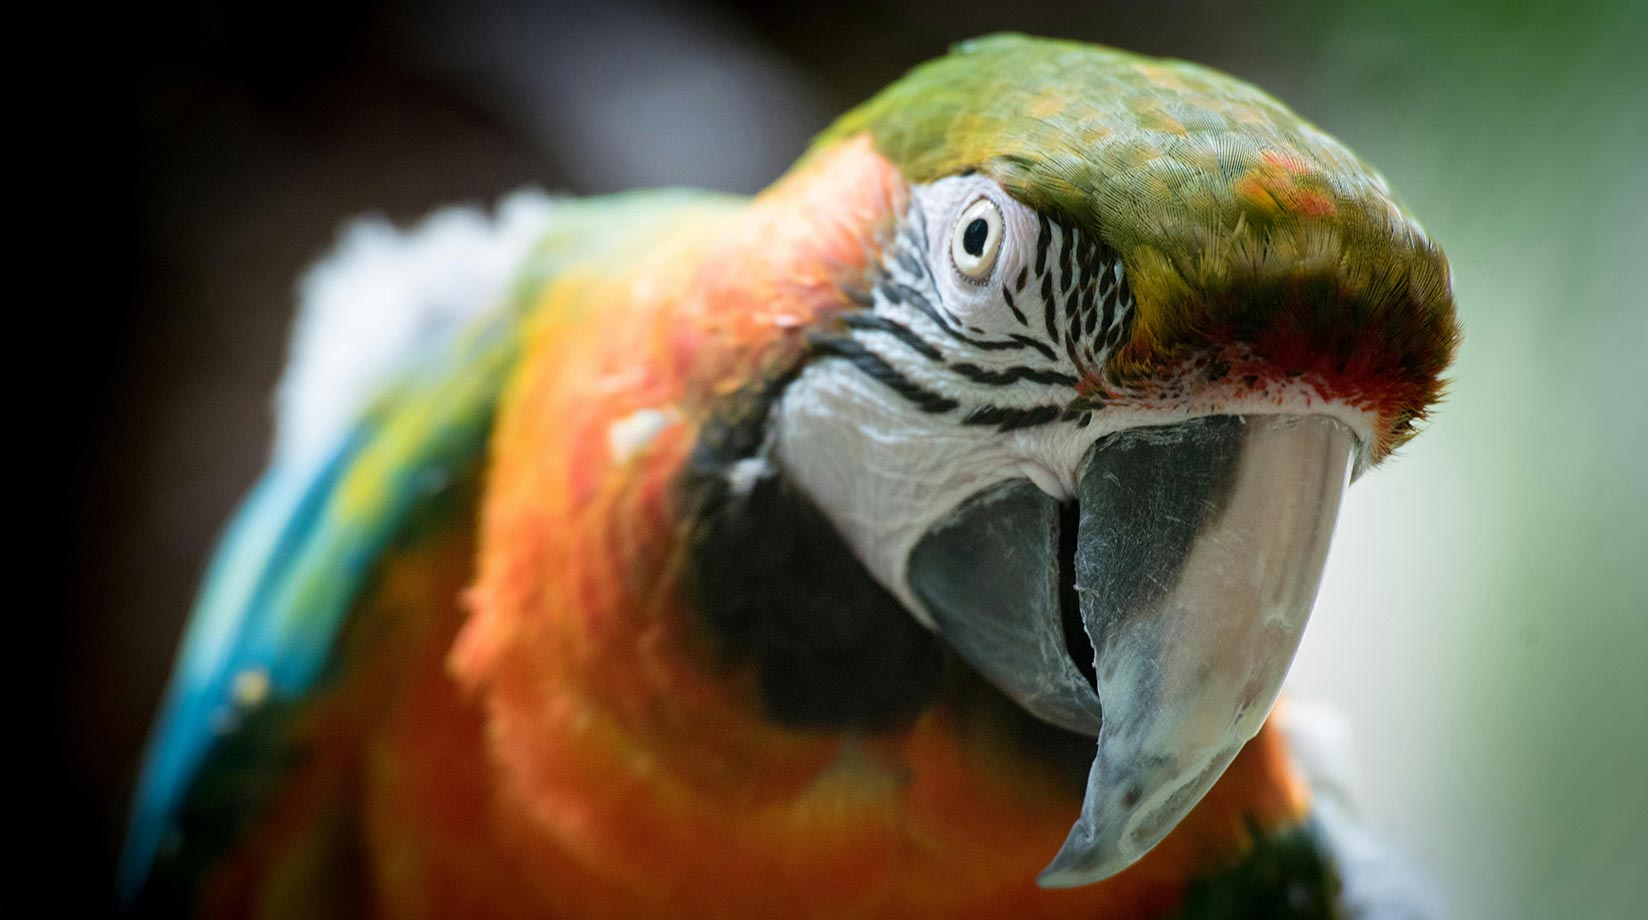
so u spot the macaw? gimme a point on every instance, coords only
(925, 536)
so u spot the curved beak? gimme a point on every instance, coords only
(1158, 612)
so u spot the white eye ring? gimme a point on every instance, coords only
(976, 240)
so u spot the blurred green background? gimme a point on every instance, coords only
(1484, 622)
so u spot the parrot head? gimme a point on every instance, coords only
(1129, 329)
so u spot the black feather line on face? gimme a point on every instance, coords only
(874, 323)
(1012, 419)
(1038, 345)
(1109, 309)
(1072, 305)
(879, 370)
(1011, 375)
(1044, 240)
(900, 293)
(1007, 298)
(1064, 259)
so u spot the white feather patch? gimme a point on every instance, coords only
(383, 299)
(632, 434)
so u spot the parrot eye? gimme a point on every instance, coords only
(976, 240)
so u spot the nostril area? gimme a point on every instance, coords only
(1076, 641)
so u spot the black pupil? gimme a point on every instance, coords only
(972, 239)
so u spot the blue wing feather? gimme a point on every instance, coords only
(229, 635)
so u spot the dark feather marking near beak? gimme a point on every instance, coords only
(776, 588)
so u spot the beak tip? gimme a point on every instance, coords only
(1073, 873)
(1085, 859)
(1052, 880)
(1056, 876)
(1059, 875)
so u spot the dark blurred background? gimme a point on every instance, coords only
(1483, 620)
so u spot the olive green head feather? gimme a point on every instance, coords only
(1239, 223)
